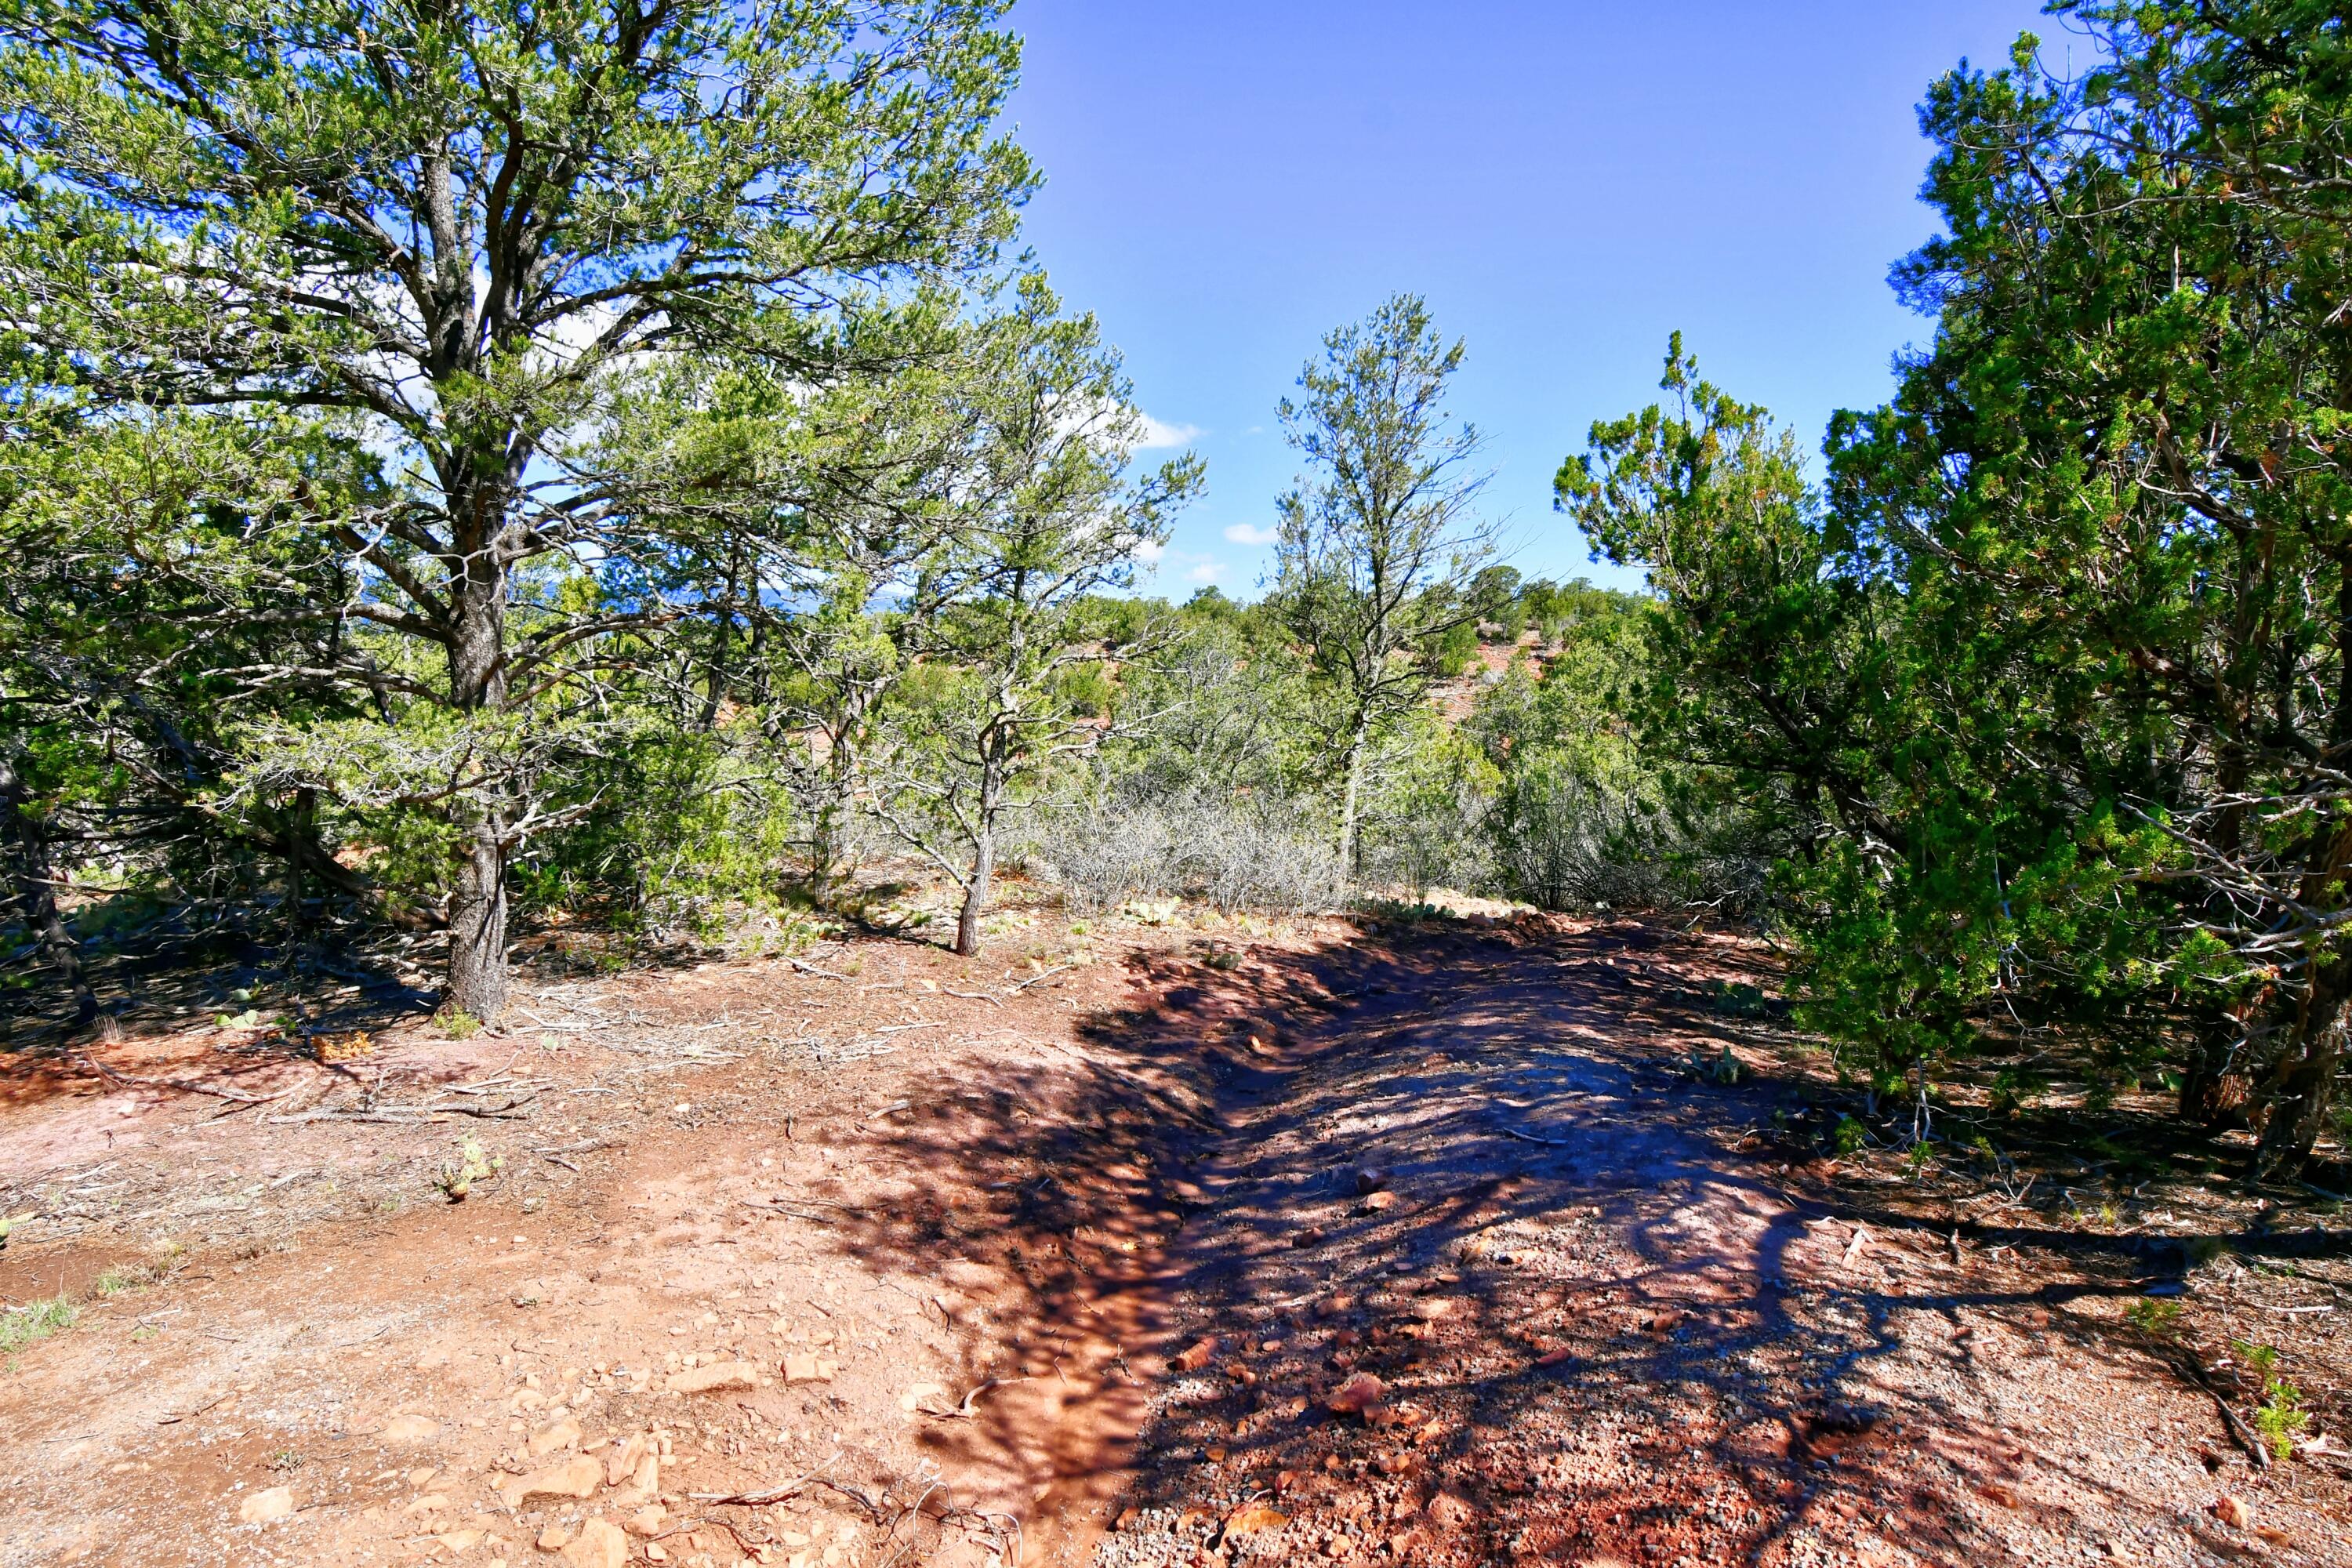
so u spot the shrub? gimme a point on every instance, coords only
(1227, 854)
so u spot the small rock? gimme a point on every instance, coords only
(1450, 1510)
(642, 1485)
(265, 1507)
(548, 1439)
(2231, 1511)
(1371, 1179)
(577, 1478)
(648, 1520)
(621, 1462)
(1196, 1355)
(1254, 1517)
(1308, 1238)
(600, 1545)
(410, 1429)
(1377, 1202)
(803, 1368)
(1359, 1395)
(554, 1538)
(915, 1393)
(460, 1542)
(718, 1376)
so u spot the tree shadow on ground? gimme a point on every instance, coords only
(1423, 1245)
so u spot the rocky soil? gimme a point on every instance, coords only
(1177, 1242)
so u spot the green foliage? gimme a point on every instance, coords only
(2157, 1319)
(1379, 550)
(2280, 1415)
(285, 328)
(36, 1321)
(2030, 703)
(456, 1178)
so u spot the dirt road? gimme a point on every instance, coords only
(1420, 1244)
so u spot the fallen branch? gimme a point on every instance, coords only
(2255, 1448)
(1532, 1138)
(199, 1410)
(132, 1080)
(772, 1207)
(409, 1115)
(972, 996)
(783, 1492)
(1043, 975)
(964, 1412)
(818, 970)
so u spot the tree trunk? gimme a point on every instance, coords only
(2212, 1095)
(975, 894)
(35, 880)
(1352, 797)
(829, 834)
(994, 760)
(476, 980)
(477, 925)
(2302, 1087)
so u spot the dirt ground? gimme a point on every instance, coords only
(1174, 1241)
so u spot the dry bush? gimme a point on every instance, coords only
(1222, 853)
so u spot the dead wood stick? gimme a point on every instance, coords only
(822, 973)
(972, 996)
(783, 1492)
(787, 1210)
(1043, 975)
(1532, 1138)
(2246, 1439)
(133, 1080)
(964, 1412)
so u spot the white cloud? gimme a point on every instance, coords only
(1206, 572)
(1149, 551)
(1247, 533)
(1158, 433)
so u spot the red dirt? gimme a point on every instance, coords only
(1081, 1271)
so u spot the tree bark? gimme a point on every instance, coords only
(2302, 1087)
(1352, 794)
(996, 759)
(477, 980)
(2212, 1096)
(477, 925)
(36, 880)
(975, 893)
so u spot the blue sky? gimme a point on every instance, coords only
(1565, 183)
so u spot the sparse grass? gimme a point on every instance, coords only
(122, 1278)
(2158, 1320)
(1849, 1136)
(458, 1023)
(34, 1321)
